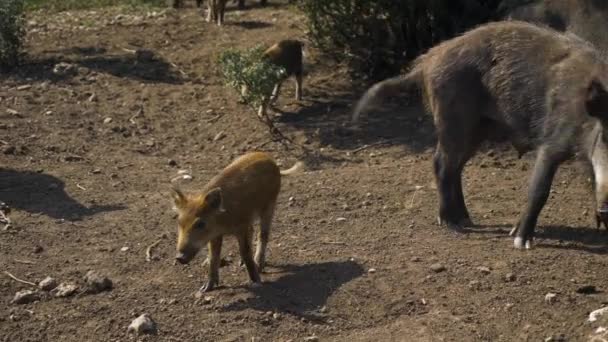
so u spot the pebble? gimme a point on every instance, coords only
(25, 297)
(65, 290)
(172, 162)
(142, 325)
(509, 277)
(594, 315)
(437, 268)
(311, 338)
(551, 298)
(97, 282)
(415, 259)
(484, 270)
(341, 219)
(124, 249)
(47, 284)
(107, 120)
(371, 270)
(38, 249)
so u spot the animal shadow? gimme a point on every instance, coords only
(250, 24)
(141, 64)
(302, 290)
(43, 193)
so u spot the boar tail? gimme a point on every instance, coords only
(391, 86)
(294, 169)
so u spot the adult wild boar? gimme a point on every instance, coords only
(544, 89)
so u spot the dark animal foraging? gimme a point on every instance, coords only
(544, 89)
(215, 11)
(287, 54)
(246, 189)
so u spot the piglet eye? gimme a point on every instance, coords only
(200, 224)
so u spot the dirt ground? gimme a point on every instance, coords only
(88, 155)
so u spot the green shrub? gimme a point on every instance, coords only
(11, 32)
(249, 68)
(377, 37)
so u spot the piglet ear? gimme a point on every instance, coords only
(597, 100)
(179, 199)
(214, 200)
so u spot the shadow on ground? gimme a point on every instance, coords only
(302, 290)
(327, 119)
(42, 193)
(142, 65)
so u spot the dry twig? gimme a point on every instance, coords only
(149, 249)
(19, 280)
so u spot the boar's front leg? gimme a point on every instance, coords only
(215, 250)
(545, 167)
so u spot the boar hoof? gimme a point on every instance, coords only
(466, 222)
(520, 243)
(210, 285)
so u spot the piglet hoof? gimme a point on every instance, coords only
(210, 285)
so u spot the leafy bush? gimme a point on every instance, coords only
(11, 32)
(249, 68)
(377, 37)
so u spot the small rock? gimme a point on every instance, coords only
(415, 259)
(509, 277)
(65, 290)
(172, 162)
(484, 270)
(142, 325)
(107, 120)
(311, 338)
(371, 270)
(276, 315)
(64, 69)
(12, 112)
(37, 249)
(97, 282)
(551, 298)
(341, 219)
(587, 289)
(594, 315)
(96, 171)
(437, 268)
(25, 297)
(124, 249)
(47, 284)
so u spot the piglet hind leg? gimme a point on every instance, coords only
(545, 167)
(247, 256)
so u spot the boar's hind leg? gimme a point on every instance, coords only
(263, 235)
(246, 256)
(215, 250)
(448, 165)
(545, 167)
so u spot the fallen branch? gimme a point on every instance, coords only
(19, 280)
(365, 147)
(149, 249)
(27, 262)
(81, 187)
